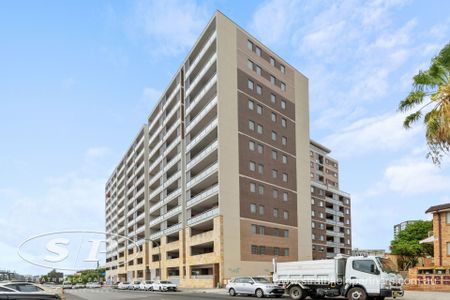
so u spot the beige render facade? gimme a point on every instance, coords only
(217, 182)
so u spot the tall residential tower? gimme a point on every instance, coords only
(217, 181)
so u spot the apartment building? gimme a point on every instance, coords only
(402, 226)
(216, 183)
(330, 207)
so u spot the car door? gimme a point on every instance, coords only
(364, 271)
(237, 285)
(248, 286)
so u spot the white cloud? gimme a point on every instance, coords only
(373, 134)
(74, 200)
(170, 27)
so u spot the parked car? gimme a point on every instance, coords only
(134, 285)
(67, 285)
(146, 285)
(164, 286)
(123, 285)
(93, 285)
(79, 286)
(27, 290)
(258, 286)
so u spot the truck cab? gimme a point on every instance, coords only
(353, 277)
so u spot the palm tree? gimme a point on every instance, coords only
(431, 89)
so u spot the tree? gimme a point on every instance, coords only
(407, 245)
(432, 88)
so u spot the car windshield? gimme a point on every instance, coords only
(148, 282)
(166, 282)
(261, 280)
(387, 265)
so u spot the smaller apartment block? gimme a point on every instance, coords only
(330, 207)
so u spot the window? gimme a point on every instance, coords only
(283, 86)
(259, 109)
(261, 190)
(448, 218)
(366, 266)
(348, 231)
(284, 159)
(253, 208)
(348, 243)
(258, 70)
(273, 99)
(274, 136)
(252, 166)
(258, 89)
(274, 173)
(275, 212)
(252, 187)
(253, 229)
(275, 194)
(274, 154)
(321, 238)
(259, 129)
(448, 248)
(347, 211)
(250, 45)
(285, 177)
(261, 230)
(251, 104)
(285, 196)
(272, 79)
(260, 168)
(262, 250)
(284, 141)
(254, 250)
(283, 69)
(260, 149)
(250, 84)
(261, 210)
(313, 225)
(286, 215)
(251, 145)
(251, 125)
(283, 104)
(321, 203)
(283, 122)
(250, 64)
(286, 233)
(321, 226)
(313, 213)
(258, 51)
(274, 117)
(276, 251)
(313, 236)
(272, 61)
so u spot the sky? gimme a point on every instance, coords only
(79, 78)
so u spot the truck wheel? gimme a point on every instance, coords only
(297, 293)
(357, 293)
(232, 292)
(259, 293)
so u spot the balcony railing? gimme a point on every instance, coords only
(202, 134)
(200, 156)
(199, 56)
(172, 212)
(203, 112)
(214, 190)
(206, 173)
(203, 216)
(169, 99)
(200, 75)
(201, 94)
(172, 229)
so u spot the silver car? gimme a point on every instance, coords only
(258, 286)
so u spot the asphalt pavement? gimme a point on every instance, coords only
(112, 294)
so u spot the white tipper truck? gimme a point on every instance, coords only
(353, 277)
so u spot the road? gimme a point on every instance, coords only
(109, 294)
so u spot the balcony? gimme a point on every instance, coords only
(155, 120)
(335, 233)
(172, 128)
(173, 229)
(171, 113)
(156, 192)
(203, 175)
(210, 127)
(172, 162)
(203, 216)
(156, 221)
(155, 178)
(203, 196)
(200, 75)
(156, 148)
(172, 145)
(155, 163)
(201, 94)
(172, 212)
(169, 99)
(140, 229)
(172, 179)
(202, 114)
(205, 152)
(156, 235)
(199, 56)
